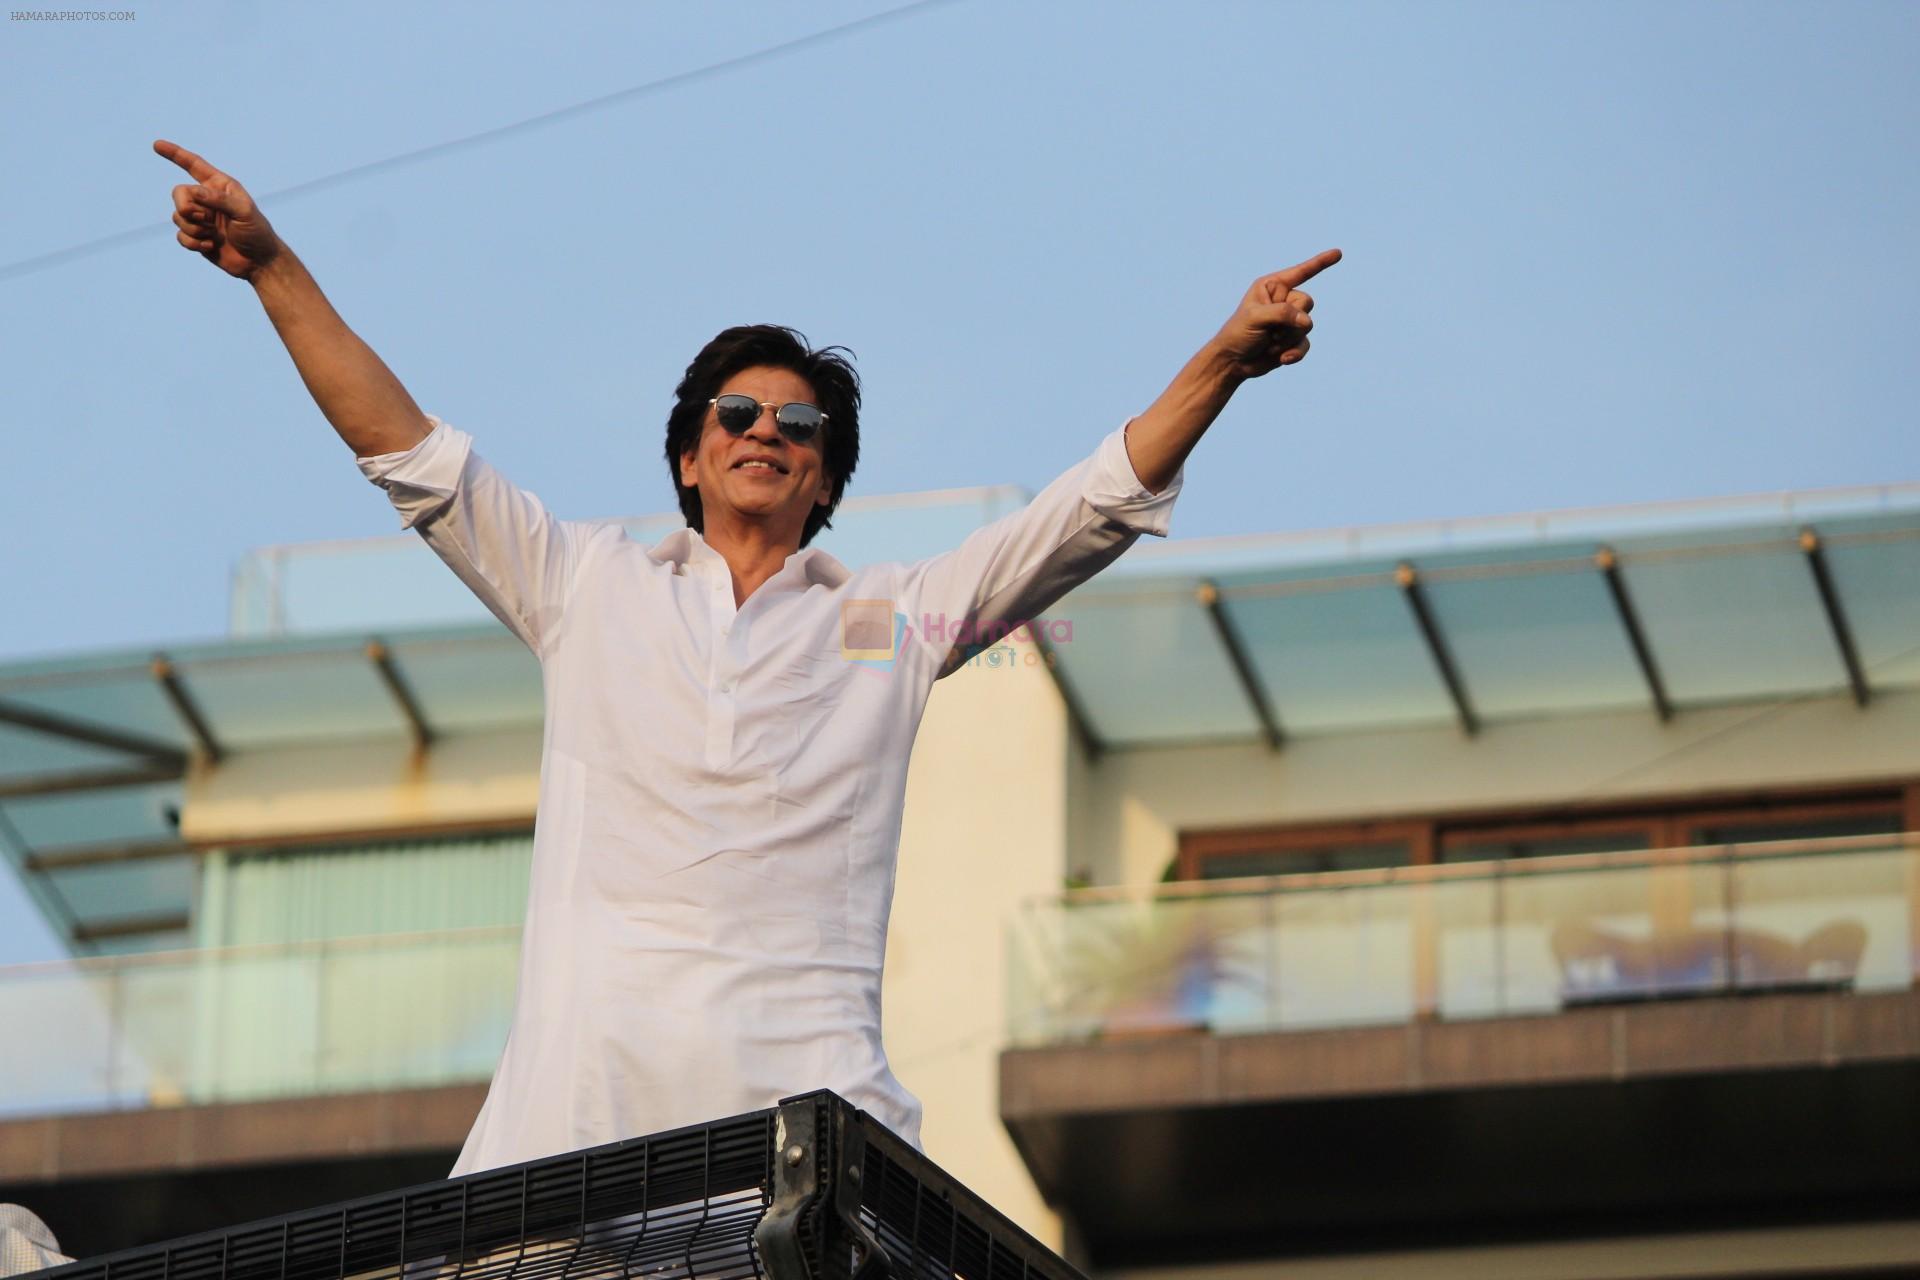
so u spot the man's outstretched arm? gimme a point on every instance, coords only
(1268, 330)
(1011, 570)
(353, 387)
(498, 538)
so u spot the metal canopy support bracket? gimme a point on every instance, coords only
(1609, 565)
(51, 784)
(1208, 594)
(57, 726)
(130, 926)
(382, 659)
(186, 708)
(1836, 615)
(1409, 583)
(68, 857)
(158, 761)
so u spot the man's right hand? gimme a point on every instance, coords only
(217, 218)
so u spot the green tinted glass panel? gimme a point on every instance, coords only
(1359, 856)
(1542, 847)
(1871, 824)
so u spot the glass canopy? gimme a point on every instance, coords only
(1418, 625)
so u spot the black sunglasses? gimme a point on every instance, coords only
(798, 421)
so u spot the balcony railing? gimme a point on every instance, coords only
(1469, 940)
(170, 1028)
(1457, 941)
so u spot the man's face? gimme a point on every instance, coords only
(780, 494)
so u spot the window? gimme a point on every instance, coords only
(1353, 846)
(1494, 836)
(1857, 824)
(1471, 846)
(1351, 856)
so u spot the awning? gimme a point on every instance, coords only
(1661, 608)
(94, 748)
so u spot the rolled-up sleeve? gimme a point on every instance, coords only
(498, 538)
(1009, 571)
(1113, 487)
(423, 479)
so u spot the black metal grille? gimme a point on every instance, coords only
(811, 1190)
(932, 1226)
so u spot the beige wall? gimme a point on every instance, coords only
(364, 785)
(985, 830)
(1134, 804)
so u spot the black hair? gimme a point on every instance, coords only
(835, 384)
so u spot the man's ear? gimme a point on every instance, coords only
(689, 473)
(825, 496)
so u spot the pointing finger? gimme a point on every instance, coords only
(187, 160)
(1294, 277)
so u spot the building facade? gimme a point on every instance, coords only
(1530, 896)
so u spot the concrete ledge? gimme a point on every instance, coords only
(1753, 1033)
(43, 1149)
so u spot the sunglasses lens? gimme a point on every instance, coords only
(736, 413)
(799, 421)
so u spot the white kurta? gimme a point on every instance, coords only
(720, 792)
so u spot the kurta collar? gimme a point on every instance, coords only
(685, 547)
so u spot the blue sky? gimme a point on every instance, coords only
(1595, 254)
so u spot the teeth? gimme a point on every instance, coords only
(764, 466)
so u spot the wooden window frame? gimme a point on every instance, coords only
(1197, 847)
(1448, 834)
(1669, 821)
(1689, 825)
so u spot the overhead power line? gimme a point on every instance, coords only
(86, 249)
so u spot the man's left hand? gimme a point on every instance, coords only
(1270, 328)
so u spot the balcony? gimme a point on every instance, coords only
(192, 1028)
(1647, 1038)
(169, 1092)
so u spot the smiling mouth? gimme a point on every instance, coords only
(752, 465)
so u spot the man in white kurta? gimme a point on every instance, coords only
(720, 787)
(720, 792)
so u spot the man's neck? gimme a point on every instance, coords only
(753, 552)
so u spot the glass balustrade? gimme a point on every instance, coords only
(172, 1028)
(1466, 940)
